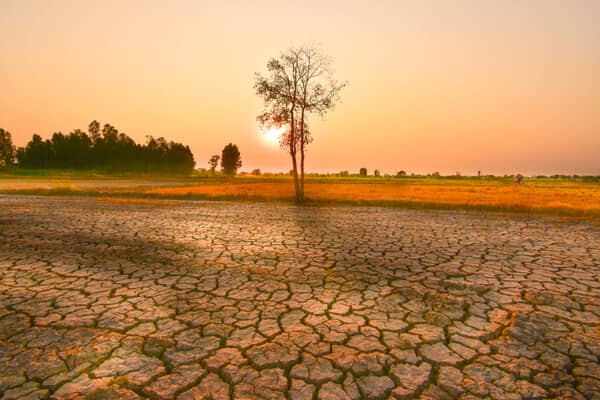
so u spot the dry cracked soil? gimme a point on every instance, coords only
(208, 300)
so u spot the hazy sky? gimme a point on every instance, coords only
(460, 85)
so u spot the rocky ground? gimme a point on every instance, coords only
(222, 300)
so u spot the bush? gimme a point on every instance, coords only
(363, 172)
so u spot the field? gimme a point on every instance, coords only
(126, 287)
(538, 196)
(159, 299)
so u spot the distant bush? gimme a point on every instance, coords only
(376, 173)
(401, 174)
(590, 178)
(519, 179)
(363, 172)
(256, 172)
(344, 173)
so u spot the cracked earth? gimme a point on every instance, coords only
(194, 300)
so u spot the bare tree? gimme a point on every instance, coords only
(300, 83)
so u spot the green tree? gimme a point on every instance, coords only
(37, 154)
(94, 130)
(363, 172)
(213, 162)
(7, 149)
(109, 150)
(230, 159)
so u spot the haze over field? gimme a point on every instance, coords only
(500, 87)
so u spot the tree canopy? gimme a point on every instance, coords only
(7, 149)
(213, 162)
(231, 159)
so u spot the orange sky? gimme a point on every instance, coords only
(464, 85)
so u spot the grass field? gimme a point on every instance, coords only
(538, 196)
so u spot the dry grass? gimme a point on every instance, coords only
(140, 201)
(574, 197)
(552, 197)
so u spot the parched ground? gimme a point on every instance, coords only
(192, 300)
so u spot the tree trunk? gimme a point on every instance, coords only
(302, 141)
(293, 150)
(302, 172)
(293, 139)
(295, 174)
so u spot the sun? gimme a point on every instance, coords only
(273, 135)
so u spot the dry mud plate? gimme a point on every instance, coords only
(222, 300)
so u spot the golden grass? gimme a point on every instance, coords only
(494, 195)
(552, 197)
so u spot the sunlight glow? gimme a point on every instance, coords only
(272, 135)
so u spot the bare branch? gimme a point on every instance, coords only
(300, 83)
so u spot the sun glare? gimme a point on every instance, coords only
(272, 135)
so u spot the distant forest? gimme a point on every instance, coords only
(106, 149)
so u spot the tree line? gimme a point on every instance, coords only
(101, 147)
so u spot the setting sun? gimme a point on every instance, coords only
(273, 135)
